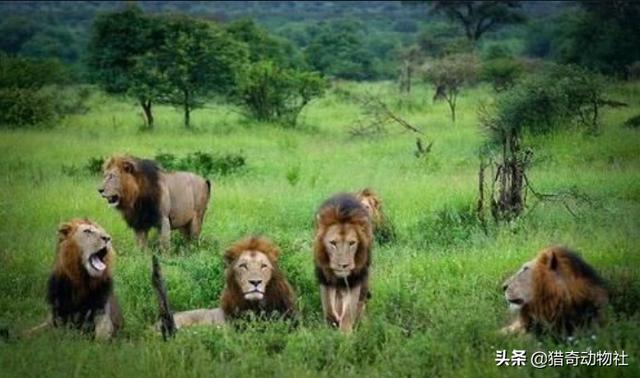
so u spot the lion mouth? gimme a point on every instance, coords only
(253, 295)
(516, 301)
(97, 260)
(113, 200)
(340, 273)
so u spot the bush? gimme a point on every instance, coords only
(449, 226)
(502, 73)
(25, 107)
(548, 100)
(205, 164)
(32, 92)
(270, 93)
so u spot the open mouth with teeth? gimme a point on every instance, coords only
(96, 260)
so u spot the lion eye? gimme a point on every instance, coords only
(333, 243)
(352, 243)
(87, 231)
(264, 266)
(243, 266)
(525, 268)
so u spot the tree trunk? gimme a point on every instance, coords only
(187, 110)
(451, 99)
(148, 115)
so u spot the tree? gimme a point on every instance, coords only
(479, 17)
(449, 75)
(502, 73)
(26, 94)
(337, 49)
(542, 103)
(118, 42)
(262, 45)
(197, 59)
(271, 93)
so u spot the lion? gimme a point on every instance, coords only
(383, 230)
(253, 285)
(556, 292)
(80, 288)
(342, 257)
(147, 196)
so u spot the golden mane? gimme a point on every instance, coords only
(567, 293)
(68, 263)
(279, 296)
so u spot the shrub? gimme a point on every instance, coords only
(271, 93)
(25, 107)
(203, 163)
(502, 73)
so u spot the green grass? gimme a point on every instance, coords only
(436, 303)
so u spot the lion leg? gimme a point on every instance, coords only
(350, 309)
(195, 227)
(104, 329)
(327, 297)
(197, 317)
(39, 328)
(141, 238)
(165, 233)
(517, 327)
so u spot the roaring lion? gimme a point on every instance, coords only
(556, 292)
(253, 284)
(342, 256)
(383, 230)
(147, 197)
(80, 289)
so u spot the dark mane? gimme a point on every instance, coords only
(580, 268)
(343, 208)
(145, 212)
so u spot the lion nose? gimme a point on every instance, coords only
(106, 238)
(255, 282)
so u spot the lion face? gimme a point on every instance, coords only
(518, 289)
(93, 243)
(252, 272)
(341, 244)
(115, 174)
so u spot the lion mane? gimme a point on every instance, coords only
(567, 293)
(140, 199)
(76, 297)
(343, 208)
(279, 297)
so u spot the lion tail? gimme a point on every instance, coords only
(167, 324)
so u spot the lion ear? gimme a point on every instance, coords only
(64, 229)
(128, 166)
(228, 258)
(552, 261)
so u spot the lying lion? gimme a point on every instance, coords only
(80, 288)
(149, 197)
(254, 284)
(555, 292)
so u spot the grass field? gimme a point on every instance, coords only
(437, 302)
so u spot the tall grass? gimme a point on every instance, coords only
(436, 304)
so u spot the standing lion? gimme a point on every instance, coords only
(80, 289)
(556, 292)
(383, 230)
(149, 197)
(342, 256)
